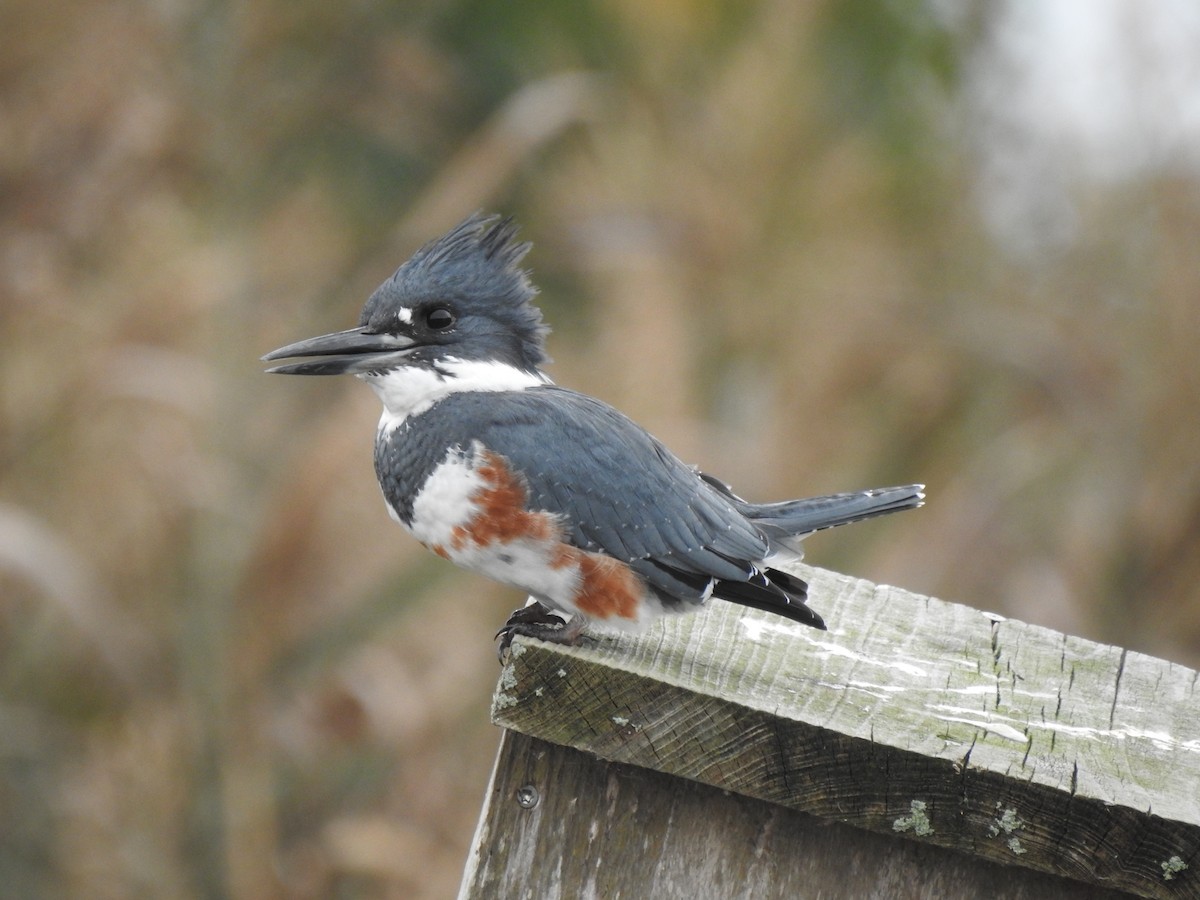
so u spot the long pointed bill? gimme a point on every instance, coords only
(353, 351)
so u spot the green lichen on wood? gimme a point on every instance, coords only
(917, 820)
(1173, 867)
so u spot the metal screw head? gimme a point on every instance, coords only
(527, 797)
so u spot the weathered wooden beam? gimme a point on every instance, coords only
(911, 717)
(560, 824)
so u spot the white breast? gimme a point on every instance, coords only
(447, 499)
(525, 551)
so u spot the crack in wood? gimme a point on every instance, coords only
(1112, 713)
(996, 659)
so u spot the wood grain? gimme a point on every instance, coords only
(560, 824)
(911, 717)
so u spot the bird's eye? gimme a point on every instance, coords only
(439, 318)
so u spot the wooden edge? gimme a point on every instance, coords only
(560, 823)
(1065, 756)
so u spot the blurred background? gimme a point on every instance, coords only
(814, 246)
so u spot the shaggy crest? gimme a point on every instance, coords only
(476, 265)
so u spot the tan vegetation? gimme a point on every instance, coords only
(224, 671)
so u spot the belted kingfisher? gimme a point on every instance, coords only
(490, 465)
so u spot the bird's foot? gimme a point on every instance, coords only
(538, 621)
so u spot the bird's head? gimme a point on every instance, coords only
(462, 298)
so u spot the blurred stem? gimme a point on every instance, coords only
(204, 619)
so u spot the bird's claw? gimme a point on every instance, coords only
(537, 621)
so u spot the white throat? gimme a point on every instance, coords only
(410, 390)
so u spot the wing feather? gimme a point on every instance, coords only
(617, 489)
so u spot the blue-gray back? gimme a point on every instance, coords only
(615, 487)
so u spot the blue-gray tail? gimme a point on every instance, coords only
(785, 525)
(789, 522)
